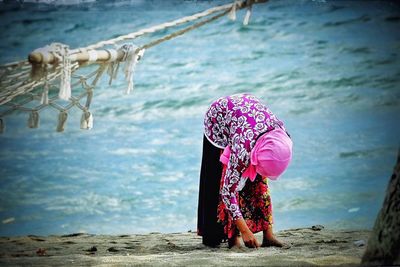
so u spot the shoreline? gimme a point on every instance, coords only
(308, 247)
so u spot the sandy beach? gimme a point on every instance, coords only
(308, 247)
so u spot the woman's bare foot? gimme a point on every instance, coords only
(234, 242)
(272, 242)
(269, 240)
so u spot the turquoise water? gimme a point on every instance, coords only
(328, 69)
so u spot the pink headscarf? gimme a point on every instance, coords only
(269, 157)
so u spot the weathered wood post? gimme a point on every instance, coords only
(384, 243)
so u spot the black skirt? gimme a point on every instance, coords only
(210, 177)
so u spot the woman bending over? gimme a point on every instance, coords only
(244, 145)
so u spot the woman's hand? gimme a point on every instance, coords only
(248, 237)
(250, 240)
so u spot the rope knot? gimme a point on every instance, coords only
(132, 54)
(86, 120)
(60, 52)
(62, 119)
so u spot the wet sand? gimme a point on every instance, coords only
(308, 247)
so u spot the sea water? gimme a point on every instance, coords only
(328, 69)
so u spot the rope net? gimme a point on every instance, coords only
(53, 75)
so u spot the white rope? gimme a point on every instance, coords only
(86, 120)
(113, 64)
(113, 55)
(92, 56)
(62, 54)
(24, 87)
(131, 56)
(44, 100)
(232, 13)
(248, 12)
(45, 94)
(15, 64)
(159, 27)
(62, 119)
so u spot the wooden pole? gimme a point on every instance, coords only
(102, 55)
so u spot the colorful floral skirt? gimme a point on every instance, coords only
(214, 222)
(255, 204)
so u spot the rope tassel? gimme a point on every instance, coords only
(45, 94)
(132, 56)
(113, 65)
(87, 120)
(33, 121)
(232, 13)
(112, 71)
(65, 85)
(61, 53)
(248, 12)
(62, 119)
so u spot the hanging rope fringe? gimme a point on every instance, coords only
(33, 121)
(62, 119)
(45, 94)
(248, 12)
(113, 65)
(65, 85)
(232, 13)
(61, 53)
(112, 71)
(87, 120)
(131, 56)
